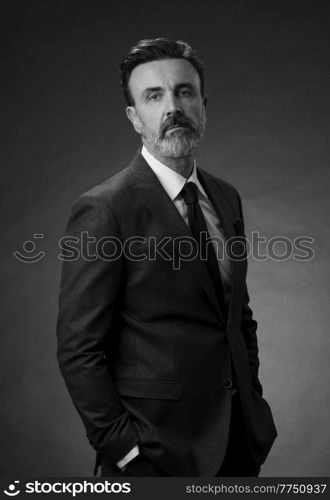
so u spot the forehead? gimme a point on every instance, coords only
(163, 73)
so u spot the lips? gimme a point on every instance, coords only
(175, 127)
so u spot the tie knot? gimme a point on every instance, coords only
(189, 193)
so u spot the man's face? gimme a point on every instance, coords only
(168, 110)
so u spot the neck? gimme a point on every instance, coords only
(183, 165)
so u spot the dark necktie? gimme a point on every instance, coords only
(198, 225)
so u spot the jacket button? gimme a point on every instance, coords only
(227, 383)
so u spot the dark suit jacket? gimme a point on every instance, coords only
(143, 346)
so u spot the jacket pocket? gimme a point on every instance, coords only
(171, 390)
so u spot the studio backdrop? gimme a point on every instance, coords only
(64, 130)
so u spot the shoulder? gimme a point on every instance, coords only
(101, 205)
(109, 190)
(110, 195)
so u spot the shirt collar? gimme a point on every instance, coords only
(171, 181)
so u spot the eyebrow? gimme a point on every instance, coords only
(185, 84)
(148, 90)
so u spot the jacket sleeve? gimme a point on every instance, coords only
(249, 327)
(89, 294)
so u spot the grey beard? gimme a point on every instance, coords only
(179, 143)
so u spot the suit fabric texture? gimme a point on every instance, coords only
(143, 346)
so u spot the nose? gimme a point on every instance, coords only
(173, 105)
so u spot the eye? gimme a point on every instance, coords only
(154, 97)
(185, 91)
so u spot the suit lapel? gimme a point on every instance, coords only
(168, 218)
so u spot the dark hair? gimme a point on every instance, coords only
(157, 49)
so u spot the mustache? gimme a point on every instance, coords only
(175, 121)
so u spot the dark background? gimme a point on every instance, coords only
(64, 129)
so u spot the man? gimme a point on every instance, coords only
(156, 340)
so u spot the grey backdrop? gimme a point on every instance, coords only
(63, 130)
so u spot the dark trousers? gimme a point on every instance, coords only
(237, 462)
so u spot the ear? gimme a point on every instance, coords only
(133, 117)
(205, 99)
